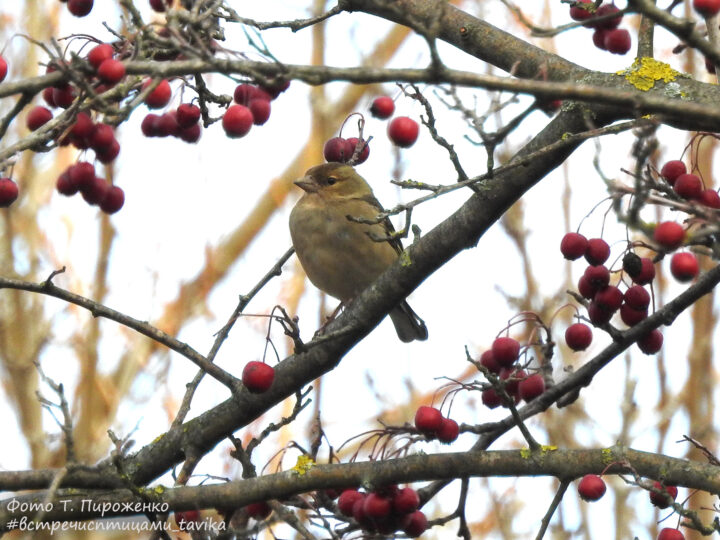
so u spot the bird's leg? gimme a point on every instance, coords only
(330, 318)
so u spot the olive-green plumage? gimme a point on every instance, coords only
(337, 254)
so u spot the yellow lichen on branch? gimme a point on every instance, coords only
(645, 72)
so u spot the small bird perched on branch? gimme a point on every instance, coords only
(338, 254)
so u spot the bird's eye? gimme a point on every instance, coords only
(331, 180)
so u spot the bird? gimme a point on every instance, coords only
(339, 255)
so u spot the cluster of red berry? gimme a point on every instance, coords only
(605, 21)
(501, 359)
(182, 123)
(342, 150)
(592, 487)
(81, 177)
(252, 106)
(385, 510)
(605, 299)
(402, 131)
(431, 423)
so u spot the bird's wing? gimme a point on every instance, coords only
(386, 224)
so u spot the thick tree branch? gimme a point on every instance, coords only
(562, 464)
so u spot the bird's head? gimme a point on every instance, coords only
(334, 180)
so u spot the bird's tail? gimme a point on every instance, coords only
(408, 325)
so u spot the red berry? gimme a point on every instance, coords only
(358, 514)
(406, 500)
(377, 506)
(338, 149)
(102, 136)
(94, 192)
(651, 342)
(382, 107)
(684, 267)
(647, 272)
(669, 235)
(505, 351)
(113, 201)
(490, 398)
(573, 246)
(275, 89)
(609, 298)
(190, 134)
(670, 534)
(80, 8)
(149, 125)
(578, 11)
(99, 54)
(347, 500)
(672, 169)
(709, 197)
(258, 510)
(488, 360)
(48, 96)
(167, 125)
(415, 524)
(631, 316)
(159, 97)
(188, 516)
(260, 109)
(8, 192)
(578, 336)
(585, 288)
(617, 41)
(82, 174)
(188, 115)
(608, 24)
(257, 377)
(403, 131)
(449, 431)
(160, 5)
(531, 387)
(83, 126)
(37, 117)
(598, 277)
(64, 96)
(364, 149)
(598, 38)
(3, 69)
(244, 93)
(597, 251)
(553, 106)
(512, 378)
(637, 297)
(591, 487)
(65, 184)
(598, 316)
(106, 154)
(111, 71)
(707, 8)
(237, 121)
(428, 420)
(688, 186)
(660, 499)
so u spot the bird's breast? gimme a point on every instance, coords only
(337, 255)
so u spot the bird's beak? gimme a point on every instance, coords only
(306, 184)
